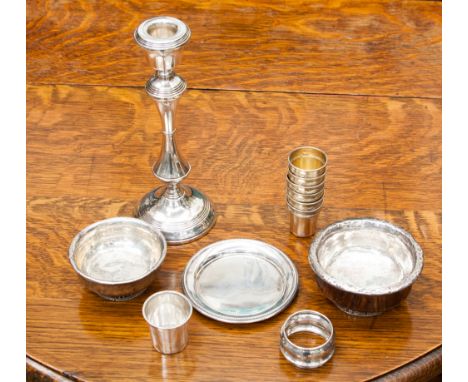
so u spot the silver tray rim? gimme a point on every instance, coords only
(287, 297)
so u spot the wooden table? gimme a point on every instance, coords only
(360, 79)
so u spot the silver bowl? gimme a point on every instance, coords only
(117, 258)
(365, 266)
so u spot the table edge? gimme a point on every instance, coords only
(422, 369)
(37, 372)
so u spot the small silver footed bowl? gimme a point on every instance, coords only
(117, 258)
(365, 266)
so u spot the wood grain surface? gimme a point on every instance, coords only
(376, 47)
(89, 156)
(360, 79)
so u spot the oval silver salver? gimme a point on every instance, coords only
(240, 281)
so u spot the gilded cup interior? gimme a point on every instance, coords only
(308, 159)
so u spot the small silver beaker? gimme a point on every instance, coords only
(303, 226)
(305, 188)
(167, 314)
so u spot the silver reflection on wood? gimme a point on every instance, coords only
(181, 212)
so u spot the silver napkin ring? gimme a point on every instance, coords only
(307, 321)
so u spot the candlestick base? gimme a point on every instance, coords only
(182, 215)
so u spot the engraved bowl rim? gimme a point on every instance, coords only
(407, 281)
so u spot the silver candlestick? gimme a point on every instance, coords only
(180, 212)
